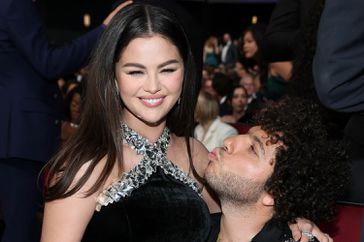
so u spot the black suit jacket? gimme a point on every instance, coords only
(29, 66)
(272, 231)
(231, 56)
(338, 70)
(284, 30)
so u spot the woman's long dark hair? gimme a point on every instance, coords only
(257, 31)
(99, 134)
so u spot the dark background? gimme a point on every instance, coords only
(64, 18)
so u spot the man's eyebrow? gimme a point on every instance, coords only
(260, 143)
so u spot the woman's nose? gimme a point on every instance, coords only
(152, 84)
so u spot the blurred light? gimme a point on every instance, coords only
(254, 19)
(86, 20)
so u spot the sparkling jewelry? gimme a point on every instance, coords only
(75, 126)
(154, 156)
(309, 235)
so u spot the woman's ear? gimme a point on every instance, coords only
(116, 86)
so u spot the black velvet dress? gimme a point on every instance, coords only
(155, 201)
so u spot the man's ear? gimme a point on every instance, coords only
(267, 200)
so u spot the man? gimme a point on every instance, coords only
(229, 52)
(222, 85)
(30, 114)
(282, 169)
(339, 79)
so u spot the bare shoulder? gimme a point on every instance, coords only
(94, 175)
(199, 156)
(179, 154)
(200, 161)
(65, 219)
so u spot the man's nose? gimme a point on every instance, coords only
(229, 144)
(235, 142)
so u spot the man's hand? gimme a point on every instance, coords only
(304, 228)
(115, 11)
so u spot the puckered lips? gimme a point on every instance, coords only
(214, 154)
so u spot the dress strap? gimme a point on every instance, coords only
(154, 156)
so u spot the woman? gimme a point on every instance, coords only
(131, 172)
(211, 131)
(211, 52)
(238, 100)
(131, 100)
(73, 104)
(273, 76)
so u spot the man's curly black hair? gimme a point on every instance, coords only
(310, 171)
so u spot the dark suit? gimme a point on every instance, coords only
(232, 56)
(29, 107)
(285, 29)
(339, 76)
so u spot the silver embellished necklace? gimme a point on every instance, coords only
(154, 156)
(74, 125)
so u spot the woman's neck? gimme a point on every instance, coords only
(238, 114)
(206, 125)
(150, 131)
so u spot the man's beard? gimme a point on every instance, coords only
(234, 189)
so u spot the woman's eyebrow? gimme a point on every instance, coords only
(134, 65)
(168, 63)
(173, 61)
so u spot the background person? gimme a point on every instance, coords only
(211, 130)
(229, 52)
(238, 100)
(273, 76)
(73, 112)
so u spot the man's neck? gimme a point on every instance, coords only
(242, 223)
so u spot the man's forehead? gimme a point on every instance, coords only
(258, 132)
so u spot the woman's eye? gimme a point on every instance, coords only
(133, 73)
(168, 70)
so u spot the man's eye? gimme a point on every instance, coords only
(168, 70)
(134, 73)
(252, 149)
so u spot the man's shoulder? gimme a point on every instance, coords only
(4, 6)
